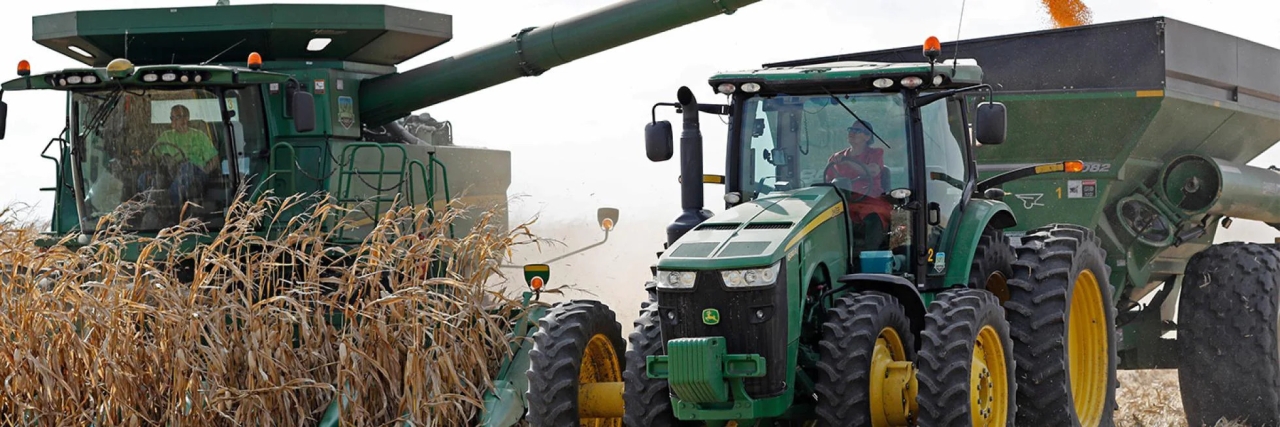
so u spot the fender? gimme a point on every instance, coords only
(899, 288)
(978, 213)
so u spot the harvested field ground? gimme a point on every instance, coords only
(1150, 398)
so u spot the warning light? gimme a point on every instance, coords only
(536, 283)
(1073, 166)
(932, 48)
(24, 68)
(255, 61)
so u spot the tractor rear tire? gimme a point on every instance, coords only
(1061, 298)
(861, 331)
(577, 342)
(646, 401)
(966, 362)
(992, 264)
(1227, 316)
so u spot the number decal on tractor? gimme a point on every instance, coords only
(1096, 167)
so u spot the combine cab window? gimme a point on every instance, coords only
(806, 140)
(159, 156)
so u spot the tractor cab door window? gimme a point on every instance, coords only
(945, 175)
(153, 157)
(793, 142)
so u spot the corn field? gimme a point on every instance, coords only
(247, 329)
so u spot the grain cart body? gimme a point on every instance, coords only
(1165, 114)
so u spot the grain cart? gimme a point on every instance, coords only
(304, 99)
(1165, 115)
(854, 277)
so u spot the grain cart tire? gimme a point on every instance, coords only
(1063, 327)
(577, 342)
(966, 362)
(1230, 363)
(864, 363)
(647, 401)
(992, 264)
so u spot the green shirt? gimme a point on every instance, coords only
(195, 144)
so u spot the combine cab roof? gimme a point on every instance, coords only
(373, 34)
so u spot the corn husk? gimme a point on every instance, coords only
(248, 336)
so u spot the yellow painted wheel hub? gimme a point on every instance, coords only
(893, 382)
(1087, 349)
(599, 384)
(988, 381)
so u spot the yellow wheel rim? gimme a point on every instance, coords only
(988, 382)
(892, 382)
(600, 365)
(1087, 349)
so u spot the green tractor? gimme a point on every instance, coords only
(185, 108)
(1165, 115)
(857, 273)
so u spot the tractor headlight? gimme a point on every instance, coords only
(752, 278)
(676, 279)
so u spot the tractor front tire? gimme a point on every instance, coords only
(1230, 363)
(864, 334)
(966, 362)
(1063, 326)
(646, 401)
(577, 342)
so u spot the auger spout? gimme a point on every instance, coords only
(530, 52)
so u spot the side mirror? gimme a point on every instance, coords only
(991, 126)
(4, 114)
(303, 109)
(659, 143)
(607, 217)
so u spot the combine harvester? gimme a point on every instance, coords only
(1165, 115)
(304, 99)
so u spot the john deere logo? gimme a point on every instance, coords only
(711, 316)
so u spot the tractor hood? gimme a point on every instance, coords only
(755, 233)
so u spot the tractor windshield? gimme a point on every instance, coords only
(807, 140)
(857, 142)
(167, 150)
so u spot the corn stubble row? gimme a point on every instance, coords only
(265, 331)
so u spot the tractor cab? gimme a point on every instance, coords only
(843, 178)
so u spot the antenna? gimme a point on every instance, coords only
(126, 43)
(223, 51)
(956, 55)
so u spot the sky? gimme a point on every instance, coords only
(576, 132)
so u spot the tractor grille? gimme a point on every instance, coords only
(744, 330)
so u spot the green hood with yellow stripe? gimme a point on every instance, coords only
(756, 233)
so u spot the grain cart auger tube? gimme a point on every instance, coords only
(1165, 115)
(856, 274)
(182, 107)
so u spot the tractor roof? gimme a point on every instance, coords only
(966, 73)
(373, 34)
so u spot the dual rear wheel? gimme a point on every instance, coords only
(867, 372)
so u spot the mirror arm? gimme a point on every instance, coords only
(653, 112)
(928, 99)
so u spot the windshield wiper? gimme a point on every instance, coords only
(855, 115)
(105, 110)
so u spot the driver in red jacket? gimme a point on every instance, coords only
(861, 164)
